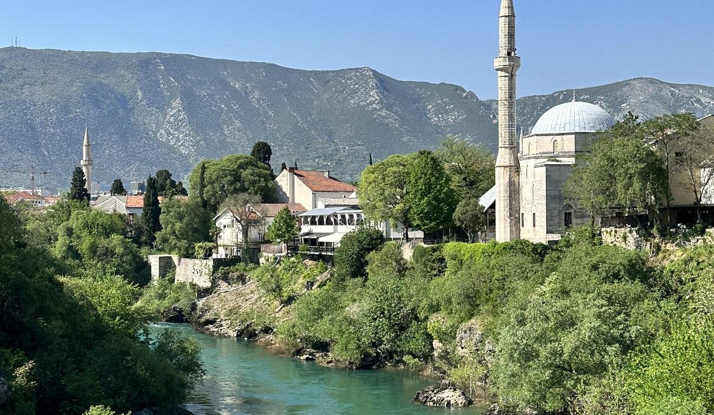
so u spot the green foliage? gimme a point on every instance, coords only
(184, 223)
(471, 166)
(262, 152)
(284, 227)
(469, 216)
(351, 256)
(284, 281)
(622, 171)
(165, 184)
(117, 188)
(382, 190)
(431, 200)
(231, 175)
(112, 298)
(677, 372)
(101, 410)
(158, 299)
(573, 328)
(78, 190)
(151, 213)
(72, 342)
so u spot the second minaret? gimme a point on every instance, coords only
(507, 165)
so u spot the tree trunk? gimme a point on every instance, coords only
(244, 251)
(405, 231)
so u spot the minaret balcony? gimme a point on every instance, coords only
(508, 64)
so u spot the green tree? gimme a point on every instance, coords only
(284, 227)
(232, 175)
(694, 163)
(183, 225)
(180, 190)
(117, 188)
(351, 255)
(78, 191)
(667, 134)
(382, 191)
(622, 172)
(262, 152)
(469, 216)
(165, 184)
(283, 166)
(430, 196)
(471, 166)
(151, 213)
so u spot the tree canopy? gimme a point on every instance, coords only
(117, 188)
(231, 175)
(471, 166)
(262, 152)
(184, 223)
(382, 191)
(284, 227)
(430, 196)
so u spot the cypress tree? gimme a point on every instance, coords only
(151, 212)
(117, 188)
(283, 166)
(78, 191)
(202, 184)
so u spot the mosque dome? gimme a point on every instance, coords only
(573, 117)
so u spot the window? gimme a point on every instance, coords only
(523, 220)
(556, 146)
(568, 219)
(534, 222)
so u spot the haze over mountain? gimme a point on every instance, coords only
(147, 111)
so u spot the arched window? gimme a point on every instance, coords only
(556, 147)
(529, 148)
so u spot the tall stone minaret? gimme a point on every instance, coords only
(507, 165)
(87, 160)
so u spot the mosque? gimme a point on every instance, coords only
(527, 201)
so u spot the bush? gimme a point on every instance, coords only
(351, 256)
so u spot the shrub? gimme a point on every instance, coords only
(351, 256)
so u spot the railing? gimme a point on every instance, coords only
(313, 250)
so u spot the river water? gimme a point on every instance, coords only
(245, 378)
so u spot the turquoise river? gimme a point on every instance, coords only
(245, 378)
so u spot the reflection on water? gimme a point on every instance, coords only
(244, 378)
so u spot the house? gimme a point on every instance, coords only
(260, 216)
(131, 206)
(307, 187)
(32, 199)
(322, 229)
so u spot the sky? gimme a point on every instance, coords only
(563, 43)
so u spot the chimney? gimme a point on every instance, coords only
(327, 174)
(291, 184)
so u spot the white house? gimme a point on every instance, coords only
(307, 187)
(228, 222)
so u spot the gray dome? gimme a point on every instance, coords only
(573, 117)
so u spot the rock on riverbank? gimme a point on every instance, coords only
(444, 394)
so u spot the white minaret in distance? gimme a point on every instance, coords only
(507, 164)
(87, 160)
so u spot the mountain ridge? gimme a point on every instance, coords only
(151, 110)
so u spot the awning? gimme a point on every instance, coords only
(333, 237)
(488, 199)
(322, 211)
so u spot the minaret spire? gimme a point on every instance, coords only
(507, 163)
(87, 162)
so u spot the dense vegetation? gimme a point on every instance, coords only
(577, 328)
(71, 332)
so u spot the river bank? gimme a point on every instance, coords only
(243, 377)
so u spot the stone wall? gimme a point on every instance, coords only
(188, 270)
(628, 238)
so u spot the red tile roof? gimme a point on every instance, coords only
(15, 197)
(318, 181)
(137, 201)
(270, 210)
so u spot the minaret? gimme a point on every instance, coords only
(87, 160)
(507, 165)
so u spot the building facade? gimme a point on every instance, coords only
(307, 187)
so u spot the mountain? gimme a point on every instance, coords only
(645, 97)
(147, 111)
